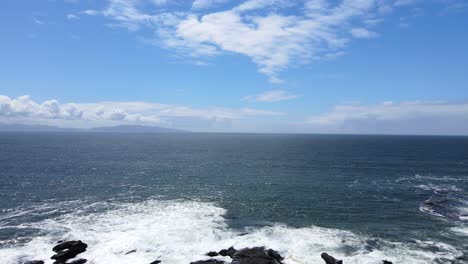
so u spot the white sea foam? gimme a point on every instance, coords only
(460, 230)
(438, 188)
(178, 232)
(426, 178)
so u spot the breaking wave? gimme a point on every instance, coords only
(178, 232)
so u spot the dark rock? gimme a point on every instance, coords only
(131, 251)
(68, 250)
(67, 245)
(156, 262)
(228, 252)
(208, 261)
(34, 262)
(212, 254)
(330, 260)
(274, 254)
(256, 255)
(386, 262)
(78, 261)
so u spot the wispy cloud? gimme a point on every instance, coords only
(405, 2)
(72, 17)
(91, 12)
(25, 110)
(266, 31)
(202, 4)
(362, 33)
(271, 96)
(38, 21)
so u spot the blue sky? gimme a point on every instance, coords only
(310, 66)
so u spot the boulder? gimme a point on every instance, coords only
(228, 252)
(156, 262)
(68, 250)
(330, 260)
(256, 255)
(386, 262)
(34, 262)
(209, 261)
(68, 245)
(212, 254)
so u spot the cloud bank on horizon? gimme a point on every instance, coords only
(384, 118)
(274, 34)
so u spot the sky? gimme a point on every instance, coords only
(261, 66)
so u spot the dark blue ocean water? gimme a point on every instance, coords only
(362, 198)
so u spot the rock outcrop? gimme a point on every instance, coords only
(330, 260)
(68, 250)
(208, 261)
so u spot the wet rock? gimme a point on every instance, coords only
(78, 261)
(330, 260)
(156, 262)
(131, 251)
(228, 252)
(209, 261)
(34, 262)
(212, 254)
(67, 245)
(386, 262)
(256, 255)
(274, 254)
(68, 250)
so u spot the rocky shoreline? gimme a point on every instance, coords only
(66, 252)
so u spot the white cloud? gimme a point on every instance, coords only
(25, 110)
(91, 12)
(395, 118)
(72, 17)
(266, 31)
(274, 34)
(271, 96)
(362, 33)
(202, 4)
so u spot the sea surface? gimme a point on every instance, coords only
(175, 197)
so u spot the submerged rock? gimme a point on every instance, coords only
(330, 260)
(34, 262)
(131, 251)
(386, 262)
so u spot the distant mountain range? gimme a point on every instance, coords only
(110, 129)
(137, 129)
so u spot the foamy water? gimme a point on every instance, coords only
(178, 232)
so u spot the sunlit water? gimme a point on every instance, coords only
(176, 197)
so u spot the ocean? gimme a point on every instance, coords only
(175, 197)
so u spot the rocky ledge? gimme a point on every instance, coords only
(67, 251)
